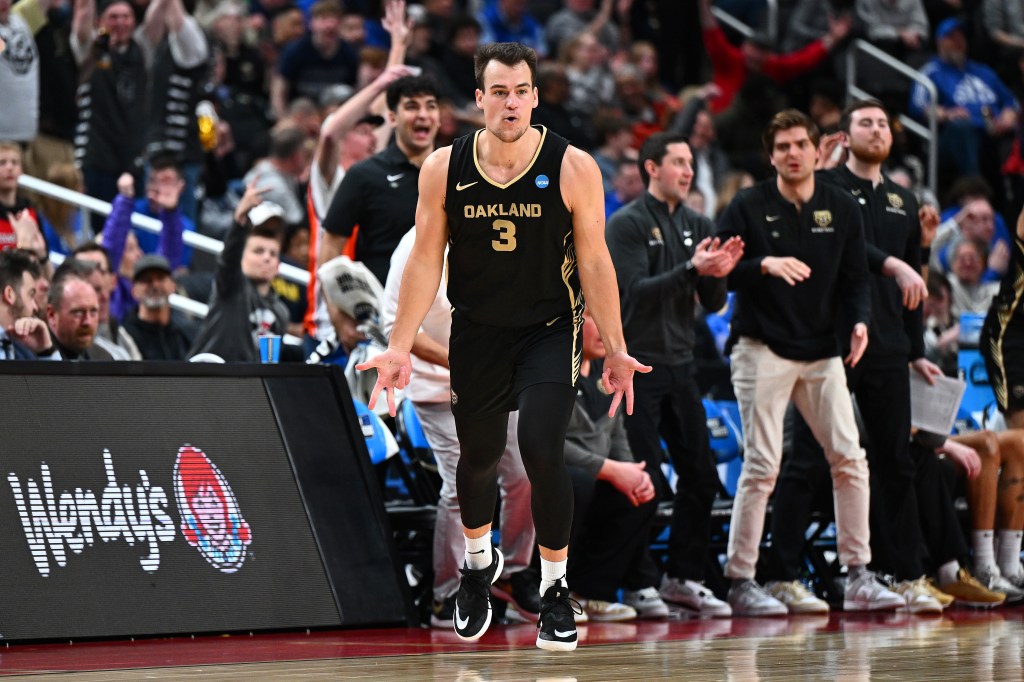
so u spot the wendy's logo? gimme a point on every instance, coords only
(210, 518)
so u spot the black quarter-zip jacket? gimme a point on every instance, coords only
(891, 228)
(797, 322)
(651, 251)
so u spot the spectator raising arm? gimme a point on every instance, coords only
(115, 239)
(154, 23)
(347, 116)
(82, 27)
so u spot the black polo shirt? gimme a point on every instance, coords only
(379, 195)
(891, 228)
(797, 322)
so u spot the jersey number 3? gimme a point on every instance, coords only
(506, 240)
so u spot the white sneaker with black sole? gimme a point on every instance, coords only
(473, 600)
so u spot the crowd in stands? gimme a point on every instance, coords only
(294, 131)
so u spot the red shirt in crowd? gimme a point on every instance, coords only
(8, 239)
(729, 71)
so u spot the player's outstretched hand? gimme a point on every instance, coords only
(393, 370)
(618, 379)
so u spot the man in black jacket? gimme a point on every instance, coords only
(243, 306)
(881, 381)
(160, 333)
(803, 263)
(664, 253)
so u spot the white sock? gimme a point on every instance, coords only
(984, 551)
(478, 552)
(948, 572)
(550, 571)
(1009, 552)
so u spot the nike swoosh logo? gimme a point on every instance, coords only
(559, 633)
(459, 186)
(553, 321)
(772, 218)
(392, 178)
(459, 621)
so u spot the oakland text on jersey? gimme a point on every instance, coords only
(499, 210)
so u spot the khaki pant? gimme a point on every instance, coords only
(764, 385)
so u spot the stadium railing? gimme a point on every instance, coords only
(771, 21)
(89, 205)
(929, 134)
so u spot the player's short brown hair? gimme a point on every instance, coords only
(508, 54)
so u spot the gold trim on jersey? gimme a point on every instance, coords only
(1000, 386)
(536, 154)
(575, 304)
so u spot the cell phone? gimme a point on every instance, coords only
(414, 70)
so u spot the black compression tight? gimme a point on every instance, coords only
(544, 411)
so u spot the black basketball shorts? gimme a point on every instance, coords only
(490, 365)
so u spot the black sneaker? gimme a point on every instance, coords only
(473, 601)
(520, 590)
(557, 624)
(442, 613)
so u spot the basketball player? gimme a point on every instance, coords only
(1002, 345)
(523, 213)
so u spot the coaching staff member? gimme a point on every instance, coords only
(665, 255)
(803, 263)
(881, 381)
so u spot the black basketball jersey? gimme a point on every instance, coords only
(1007, 309)
(512, 258)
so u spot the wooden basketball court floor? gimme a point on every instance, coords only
(960, 645)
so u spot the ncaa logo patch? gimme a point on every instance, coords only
(542, 181)
(210, 519)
